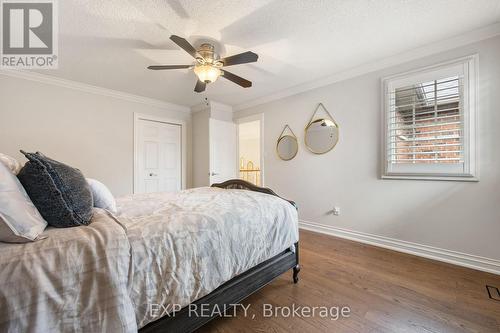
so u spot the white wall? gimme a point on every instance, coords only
(249, 150)
(86, 130)
(457, 216)
(249, 142)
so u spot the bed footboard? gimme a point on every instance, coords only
(226, 296)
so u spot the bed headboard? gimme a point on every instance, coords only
(240, 184)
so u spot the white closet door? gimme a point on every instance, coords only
(223, 159)
(159, 155)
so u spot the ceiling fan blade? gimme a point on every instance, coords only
(184, 44)
(242, 58)
(200, 86)
(236, 79)
(159, 67)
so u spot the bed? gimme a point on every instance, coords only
(160, 252)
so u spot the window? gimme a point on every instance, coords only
(429, 122)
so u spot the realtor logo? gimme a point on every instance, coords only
(29, 34)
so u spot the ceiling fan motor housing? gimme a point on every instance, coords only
(207, 53)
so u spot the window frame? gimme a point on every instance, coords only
(469, 172)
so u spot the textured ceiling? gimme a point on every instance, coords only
(110, 43)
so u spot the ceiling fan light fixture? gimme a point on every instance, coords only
(208, 65)
(207, 73)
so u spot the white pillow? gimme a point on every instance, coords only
(11, 163)
(102, 195)
(20, 221)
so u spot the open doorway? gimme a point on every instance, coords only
(250, 142)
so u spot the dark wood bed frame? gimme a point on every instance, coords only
(236, 289)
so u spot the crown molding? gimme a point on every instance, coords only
(401, 58)
(208, 105)
(52, 80)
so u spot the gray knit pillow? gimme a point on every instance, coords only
(60, 193)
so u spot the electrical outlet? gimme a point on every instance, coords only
(336, 211)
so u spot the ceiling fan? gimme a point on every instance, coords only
(208, 65)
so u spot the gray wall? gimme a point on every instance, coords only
(201, 148)
(458, 216)
(89, 131)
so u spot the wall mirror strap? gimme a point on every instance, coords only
(287, 145)
(320, 105)
(284, 129)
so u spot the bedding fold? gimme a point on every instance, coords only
(75, 280)
(185, 245)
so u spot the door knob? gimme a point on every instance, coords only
(214, 174)
(152, 174)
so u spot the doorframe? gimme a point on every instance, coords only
(247, 119)
(171, 121)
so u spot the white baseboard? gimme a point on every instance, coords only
(452, 257)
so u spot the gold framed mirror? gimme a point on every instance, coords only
(321, 134)
(287, 146)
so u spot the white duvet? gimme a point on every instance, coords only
(75, 280)
(160, 249)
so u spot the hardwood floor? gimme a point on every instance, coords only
(386, 291)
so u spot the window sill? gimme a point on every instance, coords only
(430, 177)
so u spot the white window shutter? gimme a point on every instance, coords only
(429, 122)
